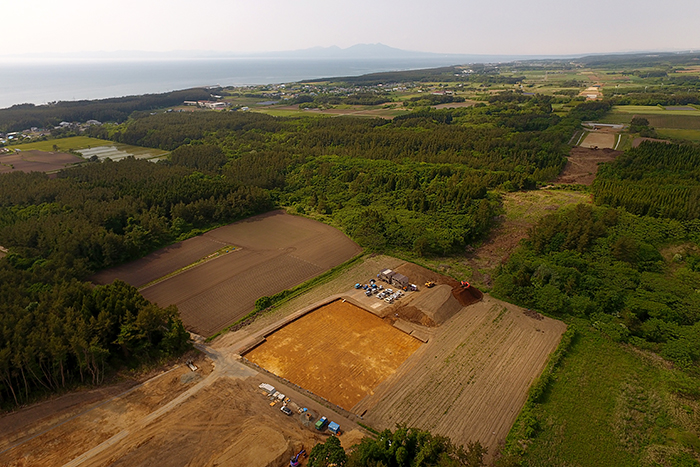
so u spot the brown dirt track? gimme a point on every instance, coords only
(470, 381)
(275, 251)
(582, 166)
(36, 161)
(339, 351)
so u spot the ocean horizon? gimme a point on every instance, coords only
(43, 82)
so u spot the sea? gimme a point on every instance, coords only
(44, 82)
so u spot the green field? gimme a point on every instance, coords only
(658, 120)
(612, 405)
(65, 144)
(679, 134)
(653, 110)
(99, 146)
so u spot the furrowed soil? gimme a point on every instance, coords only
(273, 252)
(36, 161)
(339, 352)
(470, 381)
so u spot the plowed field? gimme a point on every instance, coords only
(470, 381)
(340, 352)
(36, 161)
(274, 251)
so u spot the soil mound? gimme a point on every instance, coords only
(419, 275)
(438, 303)
(467, 296)
(412, 314)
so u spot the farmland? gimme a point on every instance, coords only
(36, 161)
(89, 147)
(274, 251)
(470, 380)
(340, 352)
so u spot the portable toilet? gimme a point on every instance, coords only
(334, 428)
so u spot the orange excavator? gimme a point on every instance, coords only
(464, 284)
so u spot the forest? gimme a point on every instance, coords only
(607, 265)
(656, 179)
(423, 183)
(56, 330)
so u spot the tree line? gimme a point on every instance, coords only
(56, 330)
(23, 116)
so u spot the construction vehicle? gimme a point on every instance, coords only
(464, 284)
(321, 423)
(430, 284)
(294, 461)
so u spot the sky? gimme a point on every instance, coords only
(534, 27)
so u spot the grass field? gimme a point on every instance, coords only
(679, 134)
(658, 120)
(652, 110)
(92, 146)
(65, 144)
(612, 405)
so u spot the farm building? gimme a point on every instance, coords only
(399, 280)
(393, 278)
(386, 275)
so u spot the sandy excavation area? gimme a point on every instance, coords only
(339, 352)
(600, 139)
(215, 416)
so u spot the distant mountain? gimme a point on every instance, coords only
(355, 52)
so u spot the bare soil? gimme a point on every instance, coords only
(274, 252)
(36, 161)
(340, 352)
(583, 163)
(637, 141)
(470, 381)
(600, 139)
